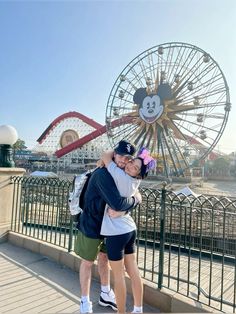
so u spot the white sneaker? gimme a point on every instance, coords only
(86, 307)
(108, 299)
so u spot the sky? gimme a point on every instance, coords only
(60, 56)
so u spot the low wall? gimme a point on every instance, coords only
(6, 196)
(166, 300)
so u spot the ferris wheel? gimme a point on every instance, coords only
(174, 99)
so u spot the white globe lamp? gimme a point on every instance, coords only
(8, 137)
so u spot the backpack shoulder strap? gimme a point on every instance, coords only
(84, 188)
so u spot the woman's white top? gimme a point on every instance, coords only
(127, 186)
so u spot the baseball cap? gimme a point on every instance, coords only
(125, 148)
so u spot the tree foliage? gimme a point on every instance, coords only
(19, 145)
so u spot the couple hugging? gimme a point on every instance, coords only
(106, 229)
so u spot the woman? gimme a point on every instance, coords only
(119, 229)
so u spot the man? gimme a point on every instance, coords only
(89, 244)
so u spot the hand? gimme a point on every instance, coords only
(138, 198)
(100, 163)
(107, 157)
(114, 214)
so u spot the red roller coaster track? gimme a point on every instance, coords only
(99, 130)
(91, 136)
(71, 114)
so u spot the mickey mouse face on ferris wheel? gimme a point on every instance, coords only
(151, 106)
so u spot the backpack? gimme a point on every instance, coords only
(76, 196)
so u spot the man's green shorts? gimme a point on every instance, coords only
(88, 248)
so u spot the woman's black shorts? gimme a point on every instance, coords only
(118, 245)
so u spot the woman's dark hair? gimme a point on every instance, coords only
(148, 162)
(143, 170)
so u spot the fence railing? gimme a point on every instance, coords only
(186, 244)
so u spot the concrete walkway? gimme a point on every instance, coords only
(32, 283)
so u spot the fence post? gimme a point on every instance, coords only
(70, 235)
(162, 235)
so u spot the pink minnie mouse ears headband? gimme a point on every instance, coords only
(147, 159)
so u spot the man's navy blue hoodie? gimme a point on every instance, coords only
(101, 190)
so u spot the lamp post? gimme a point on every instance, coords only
(8, 137)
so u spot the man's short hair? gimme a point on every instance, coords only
(124, 148)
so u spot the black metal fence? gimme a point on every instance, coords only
(186, 244)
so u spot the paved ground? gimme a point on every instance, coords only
(222, 188)
(32, 283)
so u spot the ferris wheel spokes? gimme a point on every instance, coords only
(175, 98)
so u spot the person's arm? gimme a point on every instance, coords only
(126, 185)
(110, 194)
(107, 157)
(114, 213)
